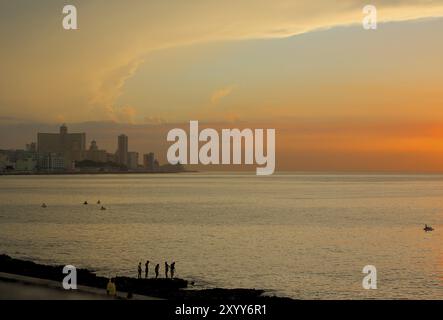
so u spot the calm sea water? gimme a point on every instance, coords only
(301, 236)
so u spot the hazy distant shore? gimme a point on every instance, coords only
(88, 173)
(170, 289)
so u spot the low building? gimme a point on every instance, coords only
(149, 162)
(28, 165)
(132, 160)
(111, 157)
(4, 162)
(53, 162)
(95, 154)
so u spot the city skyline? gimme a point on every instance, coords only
(152, 138)
(65, 151)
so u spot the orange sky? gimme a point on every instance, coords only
(341, 98)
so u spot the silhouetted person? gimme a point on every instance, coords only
(146, 269)
(98, 202)
(139, 270)
(111, 289)
(108, 287)
(172, 269)
(44, 205)
(166, 269)
(157, 269)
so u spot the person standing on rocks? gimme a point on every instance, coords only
(139, 270)
(172, 269)
(166, 269)
(146, 269)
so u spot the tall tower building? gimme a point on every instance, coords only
(122, 151)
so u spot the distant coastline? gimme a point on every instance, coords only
(62, 173)
(66, 153)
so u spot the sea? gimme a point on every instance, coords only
(303, 236)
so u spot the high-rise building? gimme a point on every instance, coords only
(71, 146)
(122, 151)
(132, 160)
(149, 161)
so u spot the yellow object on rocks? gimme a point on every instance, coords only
(111, 289)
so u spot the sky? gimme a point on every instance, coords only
(341, 98)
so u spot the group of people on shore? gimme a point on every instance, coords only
(111, 288)
(169, 270)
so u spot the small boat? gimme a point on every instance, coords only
(428, 228)
(85, 203)
(102, 208)
(44, 205)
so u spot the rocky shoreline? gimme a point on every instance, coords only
(170, 289)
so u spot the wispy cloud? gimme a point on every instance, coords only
(124, 114)
(154, 120)
(110, 86)
(221, 93)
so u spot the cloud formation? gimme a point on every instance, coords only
(220, 94)
(48, 72)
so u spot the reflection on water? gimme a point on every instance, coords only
(303, 236)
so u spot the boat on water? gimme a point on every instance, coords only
(428, 228)
(44, 205)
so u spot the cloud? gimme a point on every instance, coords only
(110, 88)
(88, 68)
(219, 94)
(154, 120)
(124, 114)
(110, 85)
